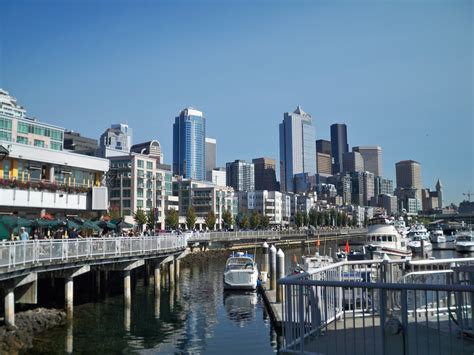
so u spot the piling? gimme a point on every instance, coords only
(171, 273)
(157, 281)
(177, 266)
(265, 257)
(273, 275)
(127, 289)
(69, 297)
(10, 307)
(280, 273)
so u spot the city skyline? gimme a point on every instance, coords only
(65, 83)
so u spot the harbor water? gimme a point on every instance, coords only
(194, 316)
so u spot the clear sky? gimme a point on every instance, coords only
(398, 73)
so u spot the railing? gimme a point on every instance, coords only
(22, 254)
(381, 307)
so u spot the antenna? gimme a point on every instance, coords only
(468, 194)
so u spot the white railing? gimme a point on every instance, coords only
(18, 254)
(354, 297)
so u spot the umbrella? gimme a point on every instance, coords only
(45, 223)
(89, 225)
(104, 224)
(124, 224)
(72, 224)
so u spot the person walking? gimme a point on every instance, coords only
(24, 234)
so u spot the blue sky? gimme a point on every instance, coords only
(398, 73)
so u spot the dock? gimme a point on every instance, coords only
(274, 309)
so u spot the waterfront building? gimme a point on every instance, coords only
(240, 175)
(17, 127)
(352, 161)
(115, 141)
(79, 144)
(264, 202)
(210, 154)
(339, 146)
(265, 175)
(204, 197)
(305, 202)
(372, 156)
(323, 146)
(150, 148)
(408, 174)
(189, 133)
(37, 174)
(217, 176)
(139, 181)
(297, 152)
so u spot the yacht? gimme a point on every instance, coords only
(464, 242)
(401, 227)
(240, 272)
(420, 243)
(437, 236)
(383, 239)
(316, 261)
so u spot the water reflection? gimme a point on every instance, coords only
(240, 306)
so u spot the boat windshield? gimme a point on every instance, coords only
(239, 263)
(464, 238)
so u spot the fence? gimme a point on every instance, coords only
(381, 307)
(19, 254)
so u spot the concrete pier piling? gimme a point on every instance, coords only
(9, 307)
(69, 297)
(177, 265)
(127, 289)
(273, 268)
(280, 273)
(157, 281)
(171, 273)
(265, 257)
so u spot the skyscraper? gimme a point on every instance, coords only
(240, 175)
(265, 176)
(408, 173)
(189, 132)
(297, 151)
(352, 161)
(372, 158)
(210, 152)
(323, 146)
(339, 145)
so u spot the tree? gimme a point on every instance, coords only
(299, 219)
(114, 212)
(313, 217)
(140, 218)
(151, 219)
(344, 219)
(227, 218)
(265, 221)
(172, 219)
(210, 220)
(254, 220)
(305, 219)
(244, 222)
(191, 218)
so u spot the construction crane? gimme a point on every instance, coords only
(468, 194)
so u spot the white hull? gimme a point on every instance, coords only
(393, 254)
(241, 279)
(438, 239)
(428, 247)
(465, 247)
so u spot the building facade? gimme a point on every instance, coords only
(240, 175)
(151, 148)
(339, 146)
(372, 157)
(265, 174)
(217, 176)
(297, 147)
(408, 174)
(263, 202)
(116, 140)
(79, 144)
(323, 146)
(324, 163)
(189, 134)
(210, 153)
(352, 161)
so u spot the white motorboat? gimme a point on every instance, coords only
(240, 272)
(437, 236)
(383, 239)
(400, 226)
(316, 261)
(420, 244)
(464, 242)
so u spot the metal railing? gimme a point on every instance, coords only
(381, 307)
(22, 254)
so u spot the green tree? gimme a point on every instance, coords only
(140, 217)
(313, 217)
(264, 221)
(210, 220)
(244, 222)
(150, 219)
(114, 212)
(172, 219)
(299, 219)
(344, 219)
(191, 218)
(305, 219)
(254, 220)
(227, 218)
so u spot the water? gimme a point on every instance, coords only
(195, 316)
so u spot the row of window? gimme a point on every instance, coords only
(26, 128)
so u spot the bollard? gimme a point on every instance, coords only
(280, 273)
(273, 275)
(265, 257)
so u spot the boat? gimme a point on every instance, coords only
(420, 244)
(400, 226)
(437, 236)
(464, 242)
(316, 261)
(240, 272)
(383, 239)
(357, 251)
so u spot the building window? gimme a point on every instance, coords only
(56, 146)
(5, 136)
(6, 169)
(140, 163)
(126, 203)
(22, 127)
(22, 140)
(139, 203)
(149, 165)
(140, 193)
(39, 143)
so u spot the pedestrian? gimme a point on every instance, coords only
(73, 234)
(24, 234)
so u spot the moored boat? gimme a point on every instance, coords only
(383, 239)
(464, 242)
(240, 272)
(437, 236)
